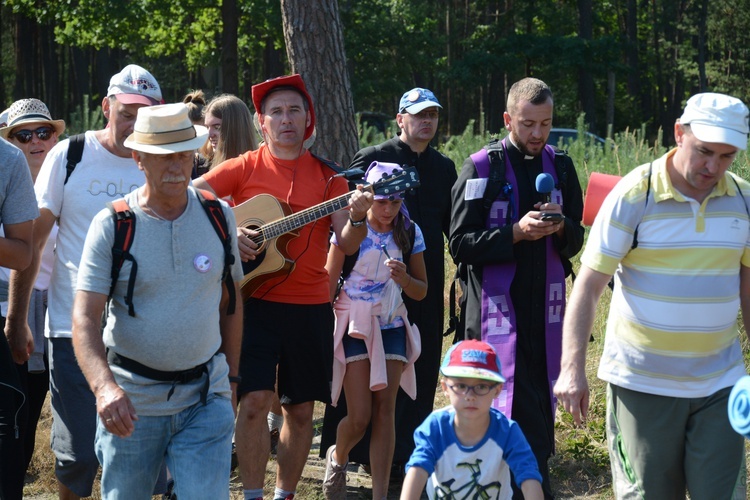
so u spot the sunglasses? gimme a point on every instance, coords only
(24, 136)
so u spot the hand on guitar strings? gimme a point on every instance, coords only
(248, 248)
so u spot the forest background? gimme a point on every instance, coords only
(618, 68)
(623, 64)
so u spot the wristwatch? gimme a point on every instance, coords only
(235, 380)
(357, 223)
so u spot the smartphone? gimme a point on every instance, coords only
(552, 217)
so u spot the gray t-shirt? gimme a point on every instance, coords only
(176, 300)
(17, 200)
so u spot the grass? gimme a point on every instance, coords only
(580, 468)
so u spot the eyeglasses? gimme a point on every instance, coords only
(24, 136)
(479, 389)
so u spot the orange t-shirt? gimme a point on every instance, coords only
(301, 183)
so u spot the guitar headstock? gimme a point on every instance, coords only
(401, 180)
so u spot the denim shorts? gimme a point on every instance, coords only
(394, 345)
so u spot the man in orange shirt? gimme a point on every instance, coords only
(288, 319)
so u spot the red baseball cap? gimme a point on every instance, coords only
(292, 82)
(472, 359)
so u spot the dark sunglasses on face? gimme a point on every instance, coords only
(24, 136)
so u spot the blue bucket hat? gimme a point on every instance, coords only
(416, 100)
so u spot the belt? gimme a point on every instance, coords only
(176, 377)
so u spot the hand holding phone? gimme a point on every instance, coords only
(552, 217)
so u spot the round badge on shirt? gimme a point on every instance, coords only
(202, 263)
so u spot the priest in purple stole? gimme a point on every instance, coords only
(515, 263)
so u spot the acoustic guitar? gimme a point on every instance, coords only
(277, 226)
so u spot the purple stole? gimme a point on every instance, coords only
(498, 315)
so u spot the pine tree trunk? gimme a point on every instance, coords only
(229, 17)
(315, 49)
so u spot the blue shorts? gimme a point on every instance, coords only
(394, 345)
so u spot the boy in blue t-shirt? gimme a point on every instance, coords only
(469, 449)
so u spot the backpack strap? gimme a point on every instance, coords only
(346, 270)
(75, 153)
(329, 163)
(739, 191)
(561, 168)
(124, 234)
(645, 204)
(491, 159)
(215, 213)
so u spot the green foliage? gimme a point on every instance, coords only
(84, 118)
(460, 147)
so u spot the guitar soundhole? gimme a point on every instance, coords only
(251, 265)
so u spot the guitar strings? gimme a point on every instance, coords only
(307, 246)
(286, 224)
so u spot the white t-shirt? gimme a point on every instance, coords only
(100, 177)
(45, 268)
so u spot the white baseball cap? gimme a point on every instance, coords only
(135, 85)
(717, 118)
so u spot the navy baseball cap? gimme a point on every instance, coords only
(416, 100)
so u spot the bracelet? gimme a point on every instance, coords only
(235, 380)
(409, 283)
(357, 223)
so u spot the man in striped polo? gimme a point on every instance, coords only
(675, 233)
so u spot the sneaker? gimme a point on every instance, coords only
(334, 482)
(274, 441)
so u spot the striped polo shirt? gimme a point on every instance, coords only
(672, 326)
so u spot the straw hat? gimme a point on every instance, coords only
(165, 129)
(30, 111)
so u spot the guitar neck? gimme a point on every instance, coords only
(304, 217)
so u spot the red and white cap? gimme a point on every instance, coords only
(472, 359)
(135, 85)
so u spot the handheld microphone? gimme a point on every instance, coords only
(545, 183)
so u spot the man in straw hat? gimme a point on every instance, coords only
(289, 321)
(161, 371)
(105, 172)
(675, 234)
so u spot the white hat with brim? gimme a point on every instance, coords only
(165, 129)
(717, 118)
(27, 111)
